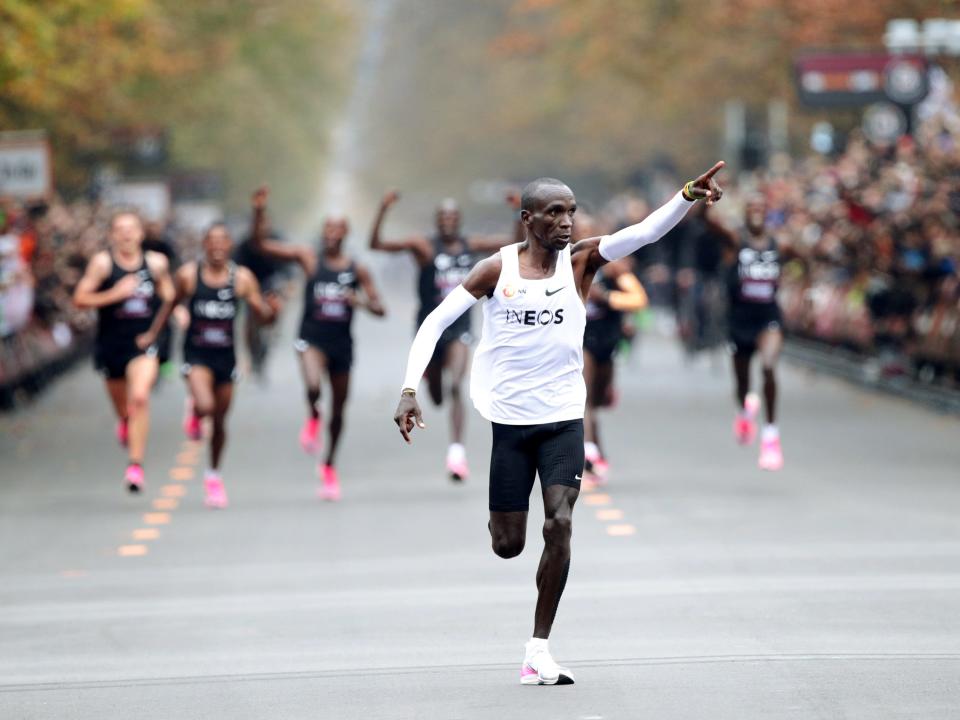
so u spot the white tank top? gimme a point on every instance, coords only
(528, 368)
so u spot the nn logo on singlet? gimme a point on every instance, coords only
(534, 317)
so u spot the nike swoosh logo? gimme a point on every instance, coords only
(577, 477)
(554, 292)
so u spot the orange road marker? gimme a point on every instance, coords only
(165, 503)
(157, 518)
(610, 514)
(182, 473)
(132, 550)
(146, 534)
(621, 530)
(173, 491)
(187, 458)
(73, 573)
(598, 499)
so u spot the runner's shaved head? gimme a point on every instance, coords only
(536, 191)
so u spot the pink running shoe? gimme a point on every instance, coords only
(330, 489)
(123, 432)
(744, 429)
(215, 493)
(600, 471)
(458, 469)
(134, 478)
(192, 427)
(310, 439)
(771, 456)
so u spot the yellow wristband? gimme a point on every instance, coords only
(687, 195)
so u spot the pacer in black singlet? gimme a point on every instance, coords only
(443, 262)
(615, 292)
(209, 340)
(328, 314)
(335, 287)
(450, 266)
(121, 323)
(752, 282)
(212, 290)
(753, 263)
(131, 290)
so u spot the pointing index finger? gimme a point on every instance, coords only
(713, 171)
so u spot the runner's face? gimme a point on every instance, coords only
(448, 222)
(756, 215)
(551, 222)
(217, 245)
(334, 232)
(126, 233)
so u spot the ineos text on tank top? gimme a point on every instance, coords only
(528, 368)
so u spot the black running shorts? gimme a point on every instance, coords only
(111, 362)
(521, 452)
(339, 352)
(223, 365)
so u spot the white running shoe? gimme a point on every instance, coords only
(539, 668)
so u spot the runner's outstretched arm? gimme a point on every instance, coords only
(481, 281)
(600, 251)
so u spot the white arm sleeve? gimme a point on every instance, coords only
(453, 306)
(652, 228)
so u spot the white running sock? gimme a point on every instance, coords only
(535, 645)
(770, 432)
(591, 450)
(456, 452)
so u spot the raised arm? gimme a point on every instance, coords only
(481, 281)
(418, 246)
(593, 253)
(492, 243)
(86, 296)
(249, 290)
(304, 256)
(371, 298)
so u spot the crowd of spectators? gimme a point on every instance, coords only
(44, 248)
(871, 240)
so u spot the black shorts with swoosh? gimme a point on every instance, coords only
(520, 452)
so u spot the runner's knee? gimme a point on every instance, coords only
(557, 530)
(138, 401)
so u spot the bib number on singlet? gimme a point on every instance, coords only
(135, 307)
(757, 291)
(214, 336)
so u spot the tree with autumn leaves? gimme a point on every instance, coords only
(243, 85)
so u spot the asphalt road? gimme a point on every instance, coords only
(700, 587)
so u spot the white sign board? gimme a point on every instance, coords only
(25, 167)
(151, 198)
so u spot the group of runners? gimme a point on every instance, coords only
(555, 296)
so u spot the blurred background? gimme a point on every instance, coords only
(844, 114)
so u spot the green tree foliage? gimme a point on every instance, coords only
(244, 86)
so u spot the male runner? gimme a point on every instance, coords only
(753, 275)
(444, 261)
(133, 293)
(527, 376)
(614, 292)
(325, 344)
(272, 276)
(211, 290)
